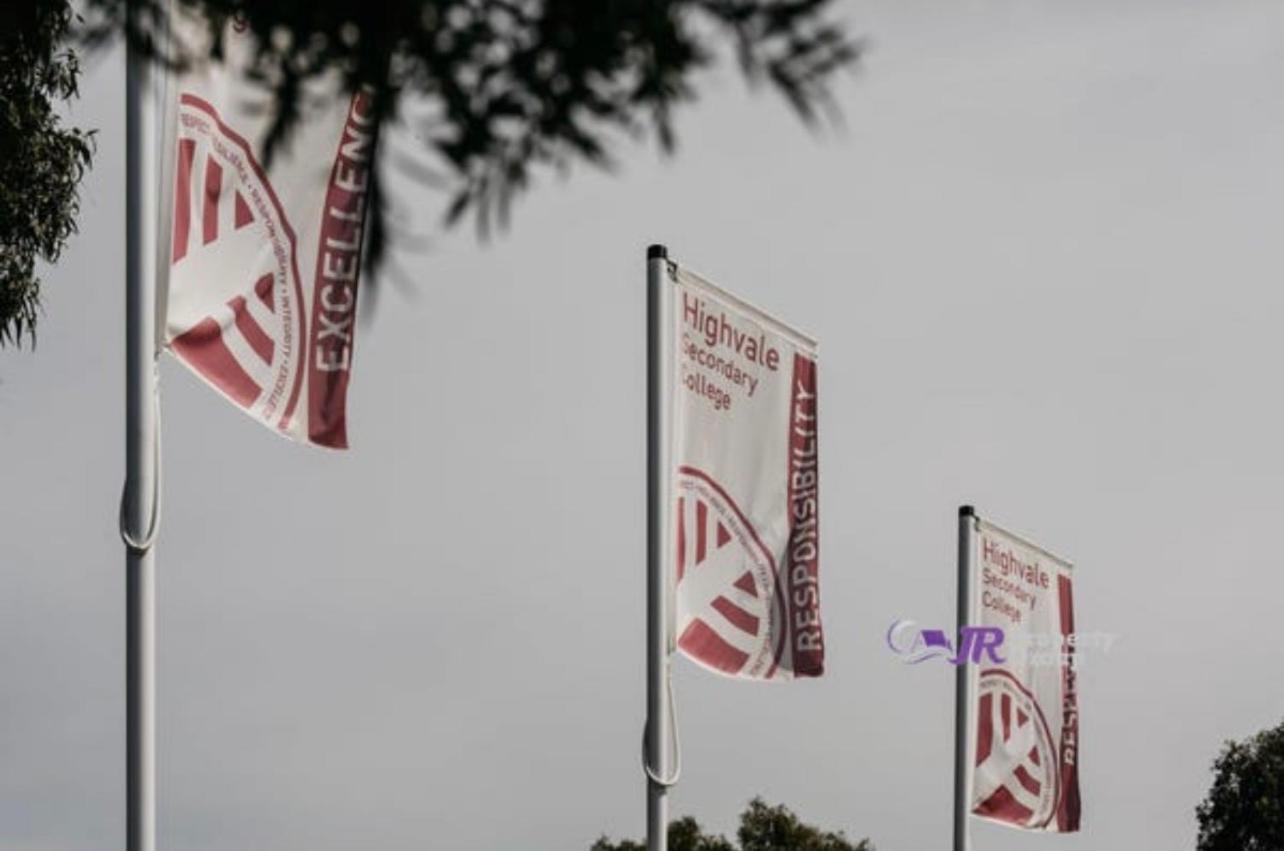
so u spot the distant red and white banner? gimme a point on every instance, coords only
(264, 261)
(746, 477)
(1026, 750)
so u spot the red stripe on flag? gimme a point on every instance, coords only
(183, 197)
(702, 520)
(801, 564)
(737, 616)
(213, 188)
(1023, 777)
(243, 214)
(203, 348)
(702, 643)
(250, 330)
(334, 287)
(985, 739)
(1069, 807)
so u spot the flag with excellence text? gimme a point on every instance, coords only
(260, 295)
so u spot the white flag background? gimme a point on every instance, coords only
(1026, 767)
(745, 477)
(262, 283)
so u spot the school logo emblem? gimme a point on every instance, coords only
(234, 249)
(730, 604)
(1016, 778)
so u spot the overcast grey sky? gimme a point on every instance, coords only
(1044, 265)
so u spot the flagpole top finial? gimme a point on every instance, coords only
(967, 511)
(657, 252)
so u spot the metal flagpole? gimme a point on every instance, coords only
(140, 501)
(658, 402)
(963, 686)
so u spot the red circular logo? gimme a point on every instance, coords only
(730, 603)
(235, 296)
(1016, 777)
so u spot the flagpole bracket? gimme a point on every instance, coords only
(140, 546)
(651, 773)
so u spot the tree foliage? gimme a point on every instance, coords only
(514, 84)
(499, 88)
(41, 161)
(762, 828)
(1244, 810)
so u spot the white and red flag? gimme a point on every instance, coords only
(261, 292)
(1025, 755)
(745, 475)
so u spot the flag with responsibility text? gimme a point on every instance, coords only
(1025, 752)
(261, 292)
(745, 480)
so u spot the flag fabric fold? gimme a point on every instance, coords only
(745, 483)
(260, 293)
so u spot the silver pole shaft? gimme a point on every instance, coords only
(140, 457)
(658, 331)
(963, 686)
